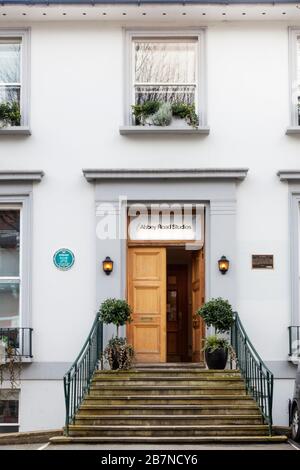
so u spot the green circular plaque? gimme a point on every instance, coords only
(64, 259)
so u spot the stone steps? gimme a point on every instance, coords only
(165, 431)
(166, 373)
(168, 381)
(168, 399)
(117, 390)
(154, 409)
(168, 404)
(167, 420)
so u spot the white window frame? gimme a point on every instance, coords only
(24, 35)
(200, 95)
(16, 207)
(8, 425)
(23, 202)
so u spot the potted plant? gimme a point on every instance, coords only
(118, 352)
(216, 352)
(10, 114)
(160, 113)
(219, 314)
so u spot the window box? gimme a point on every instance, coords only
(152, 130)
(166, 83)
(14, 83)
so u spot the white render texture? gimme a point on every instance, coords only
(76, 111)
(41, 405)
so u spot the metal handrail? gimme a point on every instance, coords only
(19, 339)
(258, 377)
(77, 380)
(294, 340)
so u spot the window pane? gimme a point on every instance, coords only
(9, 407)
(9, 242)
(10, 93)
(9, 304)
(10, 62)
(164, 93)
(165, 61)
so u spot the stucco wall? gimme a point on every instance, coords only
(76, 110)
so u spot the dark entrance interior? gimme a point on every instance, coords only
(179, 305)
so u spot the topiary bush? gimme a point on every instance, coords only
(116, 311)
(218, 313)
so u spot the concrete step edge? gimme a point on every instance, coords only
(174, 440)
(171, 417)
(176, 407)
(204, 427)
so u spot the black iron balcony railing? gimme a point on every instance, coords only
(258, 378)
(294, 341)
(19, 340)
(77, 380)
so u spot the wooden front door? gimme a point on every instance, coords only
(147, 297)
(198, 294)
(177, 313)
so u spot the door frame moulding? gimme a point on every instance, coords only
(214, 187)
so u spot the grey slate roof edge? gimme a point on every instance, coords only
(146, 2)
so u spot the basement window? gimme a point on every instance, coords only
(9, 410)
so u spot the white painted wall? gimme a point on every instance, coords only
(283, 390)
(41, 405)
(76, 110)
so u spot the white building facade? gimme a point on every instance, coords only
(76, 154)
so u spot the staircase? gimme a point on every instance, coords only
(170, 404)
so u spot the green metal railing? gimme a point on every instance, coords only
(258, 378)
(77, 380)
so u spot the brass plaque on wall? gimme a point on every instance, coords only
(262, 261)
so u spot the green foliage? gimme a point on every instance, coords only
(10, 113)
(142, 111)
(163, 116)
(116, 311)
(161, 113)
(218, 313)
(119, 354)
(212, 343)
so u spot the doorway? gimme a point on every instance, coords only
(165, 288)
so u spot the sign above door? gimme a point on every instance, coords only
(166, 222)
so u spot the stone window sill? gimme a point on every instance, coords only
(293, 130)
(15, 130)
(138, 130)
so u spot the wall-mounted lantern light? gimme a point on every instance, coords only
(108, 265)
(223, 264)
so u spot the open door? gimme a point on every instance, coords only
(198, 294)
(147, 297)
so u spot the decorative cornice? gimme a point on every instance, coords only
(21, 176)
(93, 175)
(289, 175)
